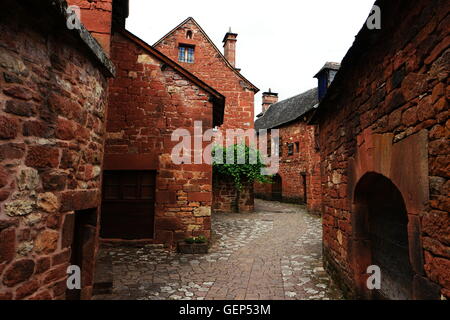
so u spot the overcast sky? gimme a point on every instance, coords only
(281, 44)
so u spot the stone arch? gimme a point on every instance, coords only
(380, 235)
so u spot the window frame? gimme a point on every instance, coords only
(290, 149)
(188, 55)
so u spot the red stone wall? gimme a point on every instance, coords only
(392, 118)
(306, 160)
(212, 69)
(263, 190)
(148, 102)
(52, 102)
(228, 199)
(96, 16)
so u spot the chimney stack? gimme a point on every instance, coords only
(268, 99)
(229, 45)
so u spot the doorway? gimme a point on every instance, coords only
(383, 223)
(277, 188)
(83, 249)
(128, 205)
(304, 188)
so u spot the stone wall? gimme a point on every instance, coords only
(228, 199)
(149, 100)
(213, 69)
(96, 16)
(304, 162)
(387, 113)
(52, 103)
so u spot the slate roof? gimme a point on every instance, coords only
(288, 110)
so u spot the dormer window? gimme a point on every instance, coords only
(186, 54)
(189, 34)
(325, 77)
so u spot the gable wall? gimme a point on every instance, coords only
(146, 105)
(210, 67)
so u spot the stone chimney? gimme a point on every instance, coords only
(229, 45)
(268, 99)
(325, 76)
(96, 16)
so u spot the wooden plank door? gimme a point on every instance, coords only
(128, 205)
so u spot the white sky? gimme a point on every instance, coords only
(281, 44)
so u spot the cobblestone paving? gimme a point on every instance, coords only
(273, 254)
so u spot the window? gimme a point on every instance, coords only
(297, 147)
(290, 149)
(280, 148)
(186, 54)
(269, 145)
(189, 34)
(332, 75)
(323, 84)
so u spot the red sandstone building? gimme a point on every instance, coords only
(189, 45)
(383, 141)
(73, 145)
(54, 91)
(146, 196)
(298, 179)
(384, 147)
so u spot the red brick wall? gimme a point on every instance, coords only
(305, 160)
(149, 102)
(52, 103)
(239, 108)
(96, 16)
(392, 118)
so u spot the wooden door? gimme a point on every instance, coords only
(305, 188)
(128, 205)
(277, 188)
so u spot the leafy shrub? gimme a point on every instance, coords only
(246, 172)
(199, 239)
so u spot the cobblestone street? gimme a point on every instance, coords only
(272, 254)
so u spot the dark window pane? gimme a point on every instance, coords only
(182, 54)
(290, 149)
(190, 58)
